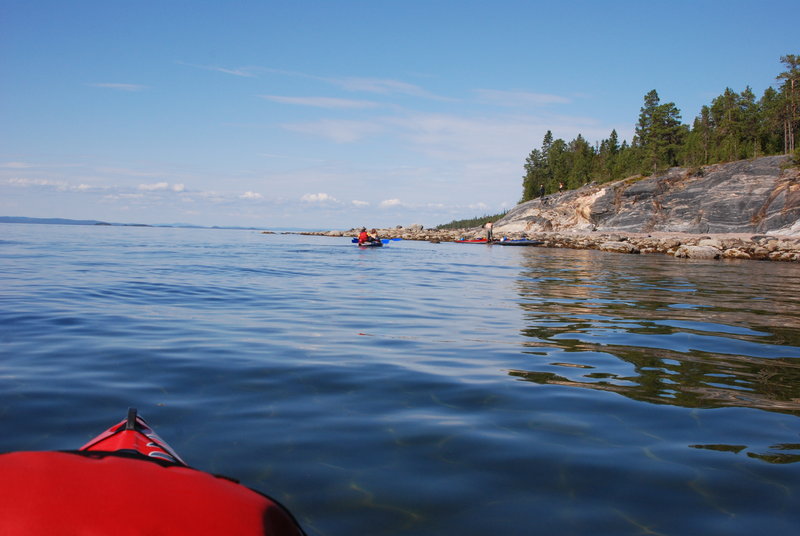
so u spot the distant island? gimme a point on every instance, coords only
(66, 221)
(50, 221)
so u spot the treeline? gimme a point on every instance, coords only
(472, 222)
(735, 126)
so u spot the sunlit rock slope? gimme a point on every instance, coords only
(749, 196)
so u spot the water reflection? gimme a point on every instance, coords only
(697, 335)
(772, 457)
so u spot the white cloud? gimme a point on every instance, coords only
(322, 102)
(251, 195)
(154, 186)
(358, 203)
(318, 198)
(178, 187)
(390, 203)
(120, 87)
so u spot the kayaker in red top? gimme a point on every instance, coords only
(363, 236)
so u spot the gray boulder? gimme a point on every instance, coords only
(698, 252)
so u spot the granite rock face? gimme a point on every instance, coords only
(749, 196)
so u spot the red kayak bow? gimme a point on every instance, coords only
(133, 435)
(128, 481)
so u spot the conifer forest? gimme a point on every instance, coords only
(734, 126)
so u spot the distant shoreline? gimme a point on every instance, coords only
(747, 246)
(67, 221)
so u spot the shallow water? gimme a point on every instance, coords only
(419, 389)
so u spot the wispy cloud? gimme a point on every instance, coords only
(322, 102)
(106, 170)
(26, 182)
(251, 195)
(120, 87)
(358, 203)
(340, 131)
(381, 86)
(60, 185)
(246, 72)
(518, 98)
(16, 165)
(390, 203)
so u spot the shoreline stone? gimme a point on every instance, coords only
(681, 245)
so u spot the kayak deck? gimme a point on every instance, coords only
(127, 481)
(134, 435)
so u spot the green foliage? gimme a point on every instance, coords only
(473, 222)
(660, 133)
(734, 126)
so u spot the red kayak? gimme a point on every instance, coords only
(128, 481)
(475, 241)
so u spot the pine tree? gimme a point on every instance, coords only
(748, 110)
(659, 132)
(791, 94)
(727, 126)
(770, 122)
(534, 169)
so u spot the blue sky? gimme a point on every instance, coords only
(335, 114)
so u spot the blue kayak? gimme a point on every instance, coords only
(373, 244)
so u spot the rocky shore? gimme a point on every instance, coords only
(682, 245)
(748, 209)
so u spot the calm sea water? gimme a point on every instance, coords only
(419, 389)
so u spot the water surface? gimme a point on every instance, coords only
(419, 389)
